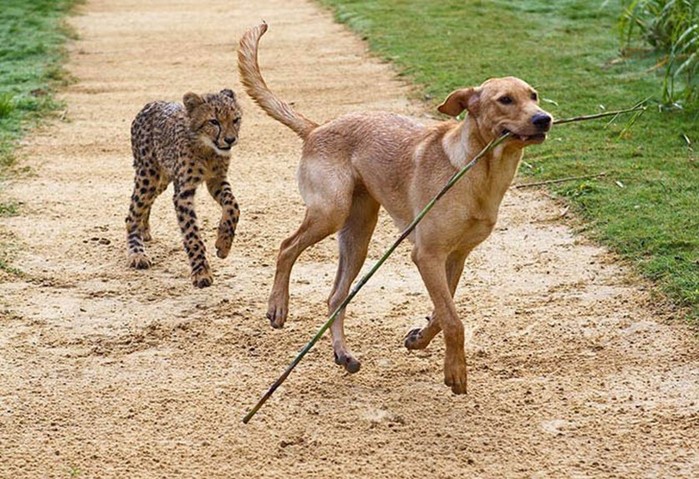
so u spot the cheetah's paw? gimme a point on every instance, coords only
(223, 246)
(202, 279)
(139, 261)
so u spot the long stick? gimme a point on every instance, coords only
(637, 107)
(457, 176)
(560, 180)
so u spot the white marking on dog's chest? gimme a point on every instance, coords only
(454, 146)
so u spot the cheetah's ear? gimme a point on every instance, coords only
(229, 93)
(192, 101)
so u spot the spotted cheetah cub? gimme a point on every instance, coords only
(187, 145)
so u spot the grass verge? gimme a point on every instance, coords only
(31, 37)
(645, 207)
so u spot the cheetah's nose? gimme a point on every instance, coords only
(231, 140)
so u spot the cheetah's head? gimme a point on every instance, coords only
(214, 119)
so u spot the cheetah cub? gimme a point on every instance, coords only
(187, 145)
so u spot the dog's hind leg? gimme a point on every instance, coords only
(317, 224)
(328, 196)
(420, 338)
(353, 241)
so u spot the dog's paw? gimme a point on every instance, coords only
(223, 245)
(455, 375)
(276, 320)
(277, 312)
(202, 279)
(139, 261)
(348, 361)
(414, 340)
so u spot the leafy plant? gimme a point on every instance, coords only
(671, 28)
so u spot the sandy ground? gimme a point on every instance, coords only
(107, 372)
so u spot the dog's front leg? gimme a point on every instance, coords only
(220, 190)
(193, 245)
(434, 275)
(420, 338)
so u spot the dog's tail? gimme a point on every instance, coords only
(256, 87)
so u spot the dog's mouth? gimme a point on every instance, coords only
(530, 139)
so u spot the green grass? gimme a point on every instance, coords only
(31, 36)
(646, 207)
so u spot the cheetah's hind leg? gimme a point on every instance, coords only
(145, 227)
(160, 186)
(137, 221)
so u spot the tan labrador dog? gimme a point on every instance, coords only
(358, 162)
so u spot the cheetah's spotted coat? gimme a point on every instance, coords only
(186, 145)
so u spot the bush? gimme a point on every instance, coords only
(671, 27)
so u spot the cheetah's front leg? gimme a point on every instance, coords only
(193, 245)
(220, 189)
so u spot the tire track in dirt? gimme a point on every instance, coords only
(110, 372)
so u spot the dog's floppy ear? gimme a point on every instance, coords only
(228, 92)
(192, 101)
(460, 100)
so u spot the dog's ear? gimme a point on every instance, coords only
(460, 100)
(229, 93)
(192, 101)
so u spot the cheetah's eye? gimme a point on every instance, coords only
(214, 122)
(505, 100)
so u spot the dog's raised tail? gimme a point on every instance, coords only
(256, 87)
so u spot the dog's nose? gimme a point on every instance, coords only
(542, 121)
(230, 140)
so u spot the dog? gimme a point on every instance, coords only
(358, 162)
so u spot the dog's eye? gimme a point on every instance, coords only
(236, 121)
(505, 100)
(214, 122)
(535, 97)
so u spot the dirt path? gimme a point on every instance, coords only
(107, 372)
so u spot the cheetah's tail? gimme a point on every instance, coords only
(256, 87)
